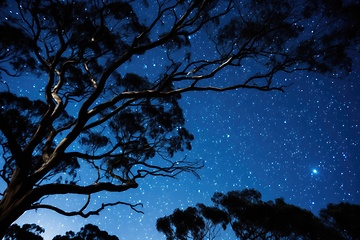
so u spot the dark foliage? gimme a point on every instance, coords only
(26, 232)
(192, 223)
(33, 232)
(88, 232)
(252, 218)
(344, 217)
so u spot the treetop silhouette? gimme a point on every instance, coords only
(252, 218)
(33, 232)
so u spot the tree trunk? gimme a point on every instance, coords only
(14, 203)
(10, 211)
(6, 219)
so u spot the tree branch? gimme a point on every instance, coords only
(171, 171)
(81, 212)
(57, 188)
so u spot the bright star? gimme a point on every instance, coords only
(314, 171)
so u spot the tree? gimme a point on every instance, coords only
(89, 232)
(33, 231)
(196, 223)
(344, 217)
(27, 231)
(130, 126)
(252, 218)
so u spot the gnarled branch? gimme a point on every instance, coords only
(81, 212)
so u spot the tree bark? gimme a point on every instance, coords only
(13, 204)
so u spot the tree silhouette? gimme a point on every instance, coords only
(252, 218)
(193, 223)
(26, 232)
(33, 231)
(89, 231)
(344, 217)
(81, 51)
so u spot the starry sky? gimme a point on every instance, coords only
(303, 145)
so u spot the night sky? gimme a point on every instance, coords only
(302, 145)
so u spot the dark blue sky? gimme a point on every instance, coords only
(303, 145)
